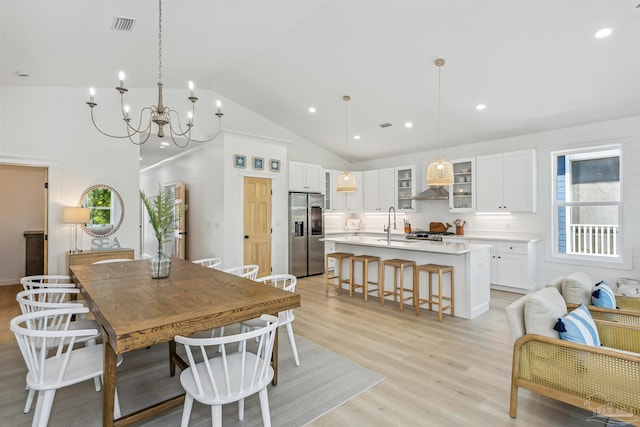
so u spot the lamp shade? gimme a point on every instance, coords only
(346, 183)
(440, 172)
(76, 215)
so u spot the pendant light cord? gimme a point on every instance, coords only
(160, 41)
(346, 98)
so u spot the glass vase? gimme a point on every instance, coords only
(160, 265)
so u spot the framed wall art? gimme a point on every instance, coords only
(274, 165)
(240, 161)
(258, 163)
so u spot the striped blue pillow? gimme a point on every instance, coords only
(603, 296)
(579, 327)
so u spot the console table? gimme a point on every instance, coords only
(89, 257)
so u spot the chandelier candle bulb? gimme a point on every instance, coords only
(121, 77)
(92, 93)
(191, 89)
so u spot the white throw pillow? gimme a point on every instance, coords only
(627, 287)
(577, 288)
(542, 310)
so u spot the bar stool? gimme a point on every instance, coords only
(430, 269)
(398, 288)
(365, 260)
(339, 257)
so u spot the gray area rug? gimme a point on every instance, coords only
(323, 381)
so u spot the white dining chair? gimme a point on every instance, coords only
(249, 271)
(46, 281)
(229, 376)
(68, 366)
(214, 263)
(35, 300)
(286, 282)
(107, 261)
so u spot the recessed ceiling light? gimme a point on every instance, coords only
(356, 136)
(23, 74)
(602, 33)
(481, 107)
(312, 109)
(408, 125)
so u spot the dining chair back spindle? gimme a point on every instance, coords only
(249, 271)
(225, 375)
(46, 281)
(214, 263)
(108, 261)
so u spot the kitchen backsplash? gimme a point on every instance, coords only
(432, 212)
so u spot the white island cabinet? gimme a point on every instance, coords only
(470, 261)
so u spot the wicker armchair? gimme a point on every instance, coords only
(602, 380)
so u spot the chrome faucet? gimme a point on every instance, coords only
(388, 228)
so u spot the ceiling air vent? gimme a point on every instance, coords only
(121, 23)
(385, 125)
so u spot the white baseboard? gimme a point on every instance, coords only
(7, 282)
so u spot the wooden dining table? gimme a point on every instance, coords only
(136, 311)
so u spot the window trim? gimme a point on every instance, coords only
(624, 258)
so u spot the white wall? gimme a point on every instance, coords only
(625, 131)
(215, 187)
(51, 127)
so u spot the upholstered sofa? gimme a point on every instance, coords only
(603, 380)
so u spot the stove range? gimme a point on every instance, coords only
(428, 235)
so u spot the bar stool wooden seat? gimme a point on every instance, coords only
(339, 257)
(435, 298)
(398, 288)
(365, 260)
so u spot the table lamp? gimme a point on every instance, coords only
(76, 216)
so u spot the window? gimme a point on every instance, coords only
(587, 205)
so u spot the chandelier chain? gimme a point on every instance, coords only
(160, 42)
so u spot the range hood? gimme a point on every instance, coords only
(433, 193)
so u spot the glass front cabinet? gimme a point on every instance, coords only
(405, 188)
(462, 193)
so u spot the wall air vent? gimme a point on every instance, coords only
(385, 125)
(121, 23)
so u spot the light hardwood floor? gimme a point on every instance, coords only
(454, 373)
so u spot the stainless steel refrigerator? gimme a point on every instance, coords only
(306, 228)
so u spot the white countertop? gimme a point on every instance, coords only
(410, 245)
(495, 236)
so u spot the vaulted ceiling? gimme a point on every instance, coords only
(535, 64)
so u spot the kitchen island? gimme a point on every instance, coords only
(470, 261)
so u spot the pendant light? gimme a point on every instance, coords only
(440, 172)
(346, 182)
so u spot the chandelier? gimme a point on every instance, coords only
(159, 114)
(346, 182)
(440, 172)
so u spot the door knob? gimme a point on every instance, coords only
(246, 236)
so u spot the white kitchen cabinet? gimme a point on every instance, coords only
(506, 182)
(378, 186)
(328, 192)
(512, 265)
(405, 188)
(306, 177)
(462, 193)
(329, 248)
